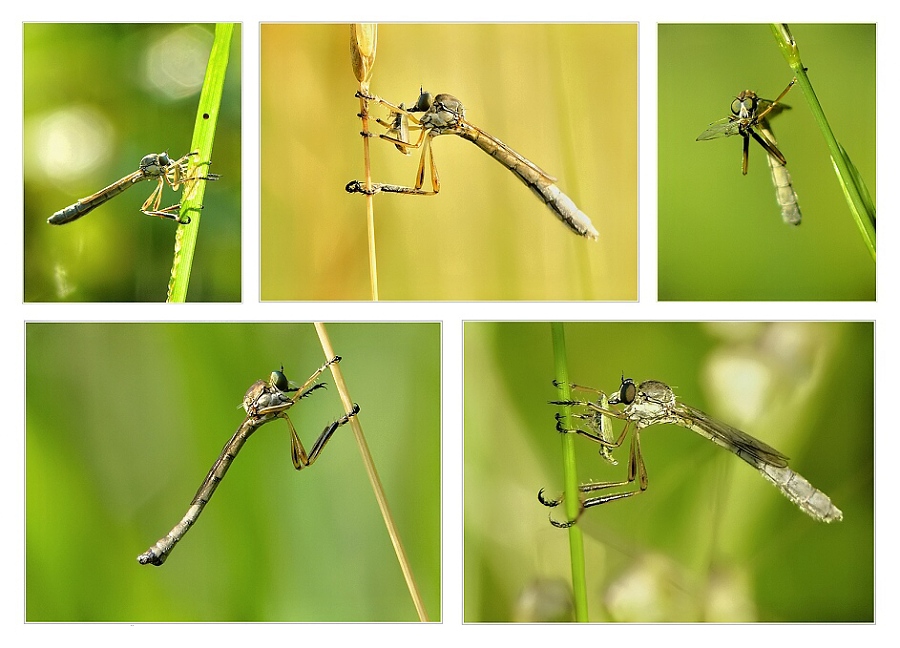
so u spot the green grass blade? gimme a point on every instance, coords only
(572, 500)
(202, 141)
(861, 187)
(857, 195)
(856, 187)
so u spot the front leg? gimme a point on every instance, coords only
(596, 438)
(304, 389)
(394, 108)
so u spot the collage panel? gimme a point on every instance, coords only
(111, 106)
(556, 105)
(726, 233)
(140, 412)
(573, 503)
(672, 528)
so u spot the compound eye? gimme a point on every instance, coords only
(279, 381)
(627, 391)
(423, 103)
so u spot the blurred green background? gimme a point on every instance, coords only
(137, 415)
(98, 97)
(710, 540)
(720, 233)
(564, 96)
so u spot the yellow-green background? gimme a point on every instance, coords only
(564, 96)
(123, 422)
(709, 528)
(115, 253)
(720, 233)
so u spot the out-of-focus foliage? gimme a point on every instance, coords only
(98, 97)
(123, 422)
(710, 540)
(720, 233)
(564, 96)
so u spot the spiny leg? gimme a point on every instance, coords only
(405, 144)
(155, 197)
(585, 488)
(435, 179)
(590, 435)
(746, 153)
(175, 175)
(298, 454)
(387, 104)
(575, 387)
(594, 407)
(424, 142)
(580, 403)
(397, 129)
(151, 205)
(358, 186)
(304, 389)
(771, 149)
(598, 425)
(307, 392)
(171, 213)
(556, 502)
(420, 172)
(636, 471)
(775, 103)
(397, 124)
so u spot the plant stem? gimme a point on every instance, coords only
(572, 499)
(374, 479)
(370, 198)
(363, 45)
(202, 142)
(854, 189)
